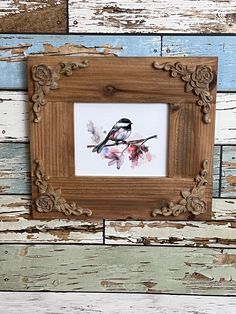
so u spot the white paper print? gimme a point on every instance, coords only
(120, 139)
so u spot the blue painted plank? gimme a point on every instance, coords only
(14, 50)
(14, 168)
(222, 46)
(216, 171)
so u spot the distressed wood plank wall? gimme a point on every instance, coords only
(116, 256)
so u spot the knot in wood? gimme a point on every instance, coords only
(109, 90)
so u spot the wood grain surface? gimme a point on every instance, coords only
(26, 16)
(107, 303)
(150, 16)
(135, 80)
(118, 269)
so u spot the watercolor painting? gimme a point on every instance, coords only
(120, 139)
(117, 148)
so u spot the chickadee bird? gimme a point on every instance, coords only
(119, 132)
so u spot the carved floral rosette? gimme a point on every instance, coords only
(45, 79)
(50, 199)
(197, 80)
(192, 201)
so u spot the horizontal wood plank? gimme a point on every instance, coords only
(18, 226)
(87, 268)
(14, 168)
(33, 16)
(105, 303)
(14, 120)
(225, 131)
(220, 232)
(203, 234)
(14, 50)
(145, 16)
(224, 47)
(224, 209)
(228, 186)
(216, 171)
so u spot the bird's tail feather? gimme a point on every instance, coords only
(100, 146)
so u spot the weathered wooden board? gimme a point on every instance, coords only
(224, 47)
(220, 232)
(228, 185)
(150, 16)
(107, 303)
(205, 234)
(216, 171)
(225, 132)
(88, 268)
(224, 209)
(14, 168)
(18, 226)
(46, 16)
(14, 117)
(14, 122)
(14, 50)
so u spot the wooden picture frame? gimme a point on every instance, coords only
(187, 85)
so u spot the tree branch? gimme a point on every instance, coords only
(142, 141)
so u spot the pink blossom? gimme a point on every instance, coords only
(136, 152)
(115, 156)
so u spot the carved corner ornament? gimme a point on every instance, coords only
(50, 199)
(192, 201)
(45, 79)
(197, 80)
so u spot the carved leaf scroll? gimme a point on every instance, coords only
(50, 199)
(45, 79)
(197, 80)
(192, 201)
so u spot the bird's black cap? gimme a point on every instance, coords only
(125, 120)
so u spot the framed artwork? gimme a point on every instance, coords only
(122, 138)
